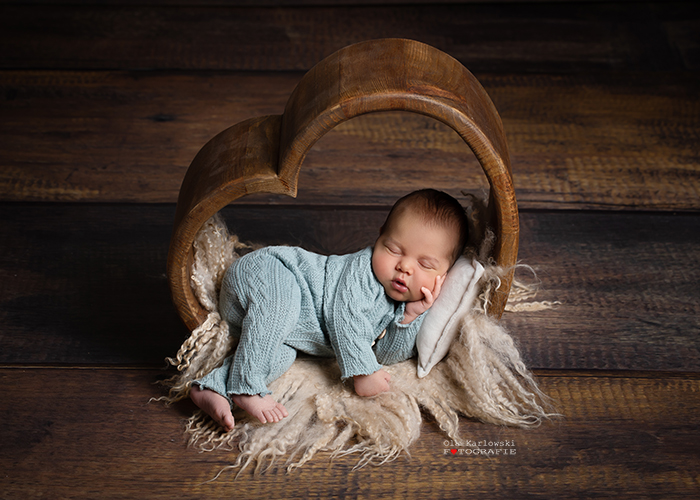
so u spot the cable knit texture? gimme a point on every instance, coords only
(280, 300)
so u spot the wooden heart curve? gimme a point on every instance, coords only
(265, 154)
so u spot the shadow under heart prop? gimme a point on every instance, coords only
(467, 363)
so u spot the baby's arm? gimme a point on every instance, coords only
(418, 307)
(372, 384)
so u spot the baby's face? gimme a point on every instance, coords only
(410, 255)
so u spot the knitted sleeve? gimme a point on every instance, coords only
(399, 342)
(355, 308)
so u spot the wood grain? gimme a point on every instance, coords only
(260, 3)
(619, 278)
(92, 432)
(104, 104)
(265, 154)
(85, 284)
(241, 160)
(610, 141)
(535, 37)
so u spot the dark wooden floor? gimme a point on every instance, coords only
(103, 105)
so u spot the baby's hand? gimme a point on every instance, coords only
(372, 384)
(418, 307)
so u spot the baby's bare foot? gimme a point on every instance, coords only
(214, 405)
(265, 408)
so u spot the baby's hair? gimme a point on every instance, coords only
(436, 207)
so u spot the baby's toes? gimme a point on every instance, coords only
(282, 411)
(227, 422)
(223, 419)
(271, 416)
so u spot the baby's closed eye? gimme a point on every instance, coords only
(393, 249)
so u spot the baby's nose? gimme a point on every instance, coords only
(404, 266)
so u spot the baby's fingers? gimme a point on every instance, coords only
(428, 298)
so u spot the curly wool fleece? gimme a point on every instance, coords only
(483, 377)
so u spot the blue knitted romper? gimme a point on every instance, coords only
(281, 300)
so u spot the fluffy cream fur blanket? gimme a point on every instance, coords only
(482, 377)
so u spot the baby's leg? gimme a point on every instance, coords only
(272, 304)
(265, 408)
(214, 405)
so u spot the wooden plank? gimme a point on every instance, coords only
(72, 433)
(611, 141)
(527, 37)
(272, 3)
(85, 284)
(95, 134)
(620, 278)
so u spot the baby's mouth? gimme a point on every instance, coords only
(399, 285)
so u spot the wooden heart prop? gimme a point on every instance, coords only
(265, 154)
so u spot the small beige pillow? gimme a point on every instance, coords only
(442, 322)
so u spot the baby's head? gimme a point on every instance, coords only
(424, 234)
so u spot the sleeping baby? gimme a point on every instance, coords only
(364, 308)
